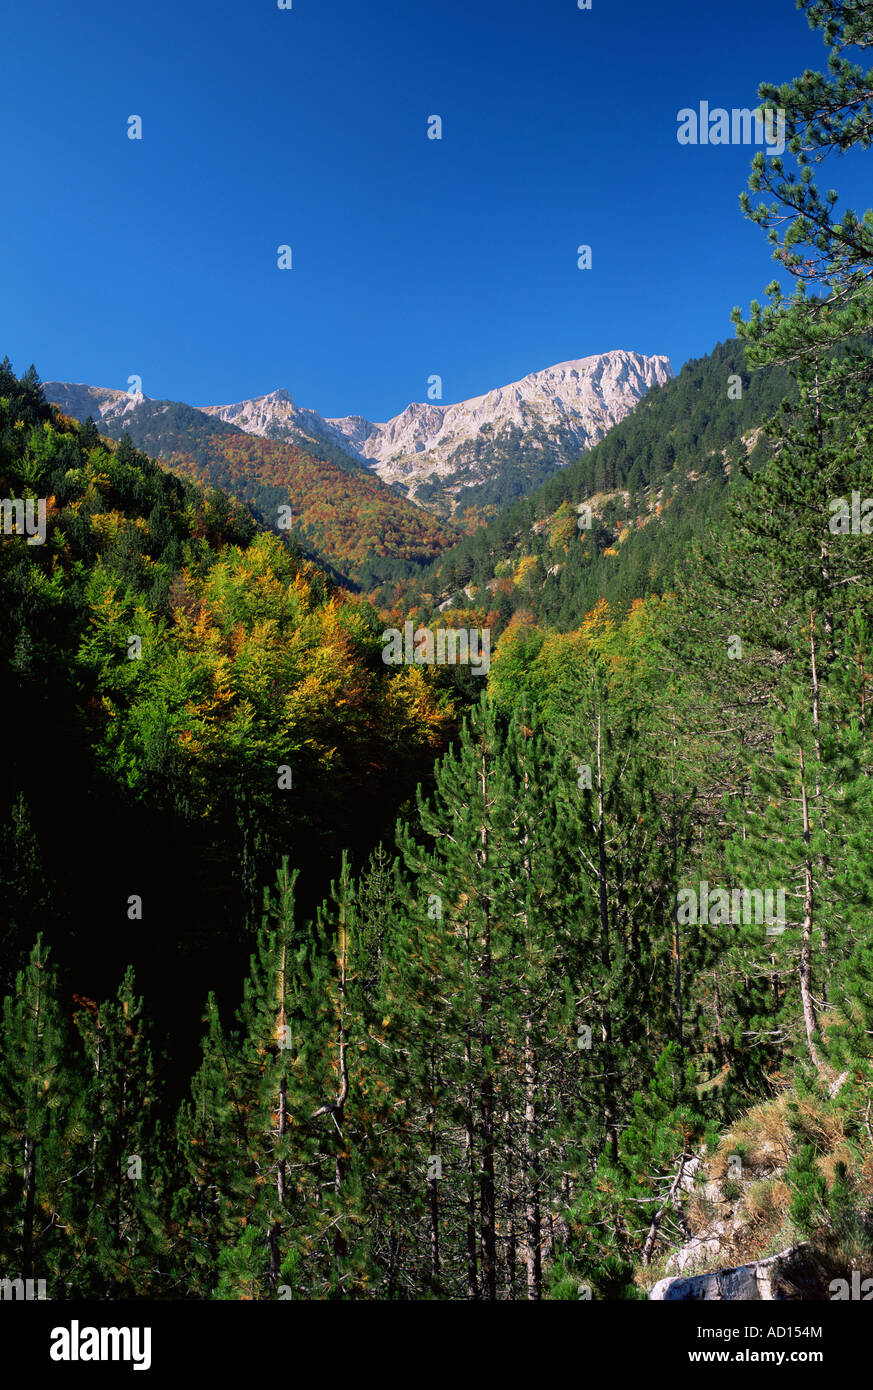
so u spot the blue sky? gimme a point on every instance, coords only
(411, 256)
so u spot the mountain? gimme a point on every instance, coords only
(272, 417)
(345, 517)
(486, 451)
(275, 416)
(651, 487)
(561, 412)
(249, 658)
(460, 461)
(102, 403)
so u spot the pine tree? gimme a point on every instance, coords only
(467, 952)
(24, 888)
(811, 241)
(126, 1183)
(211, 1172)
(43, 1131)
(632, 1208)
(497, 932)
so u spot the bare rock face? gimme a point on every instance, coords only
(782, 1277)
(100, 402)
(545, 421)
(277, 416)
(561, 412)
(711, 1242)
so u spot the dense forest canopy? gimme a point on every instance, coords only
(503, 1048)
(364, 531)
(163, 659)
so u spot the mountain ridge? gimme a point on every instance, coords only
(617, 522)
(435, 451)
(490, 448)
(347, 518)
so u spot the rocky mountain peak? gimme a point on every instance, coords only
(531, 427)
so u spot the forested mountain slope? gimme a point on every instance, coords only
(657, 480)
(466, 459)
(161, 662)
(603, 993)
(346, 517)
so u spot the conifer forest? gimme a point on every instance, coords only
(436, 858)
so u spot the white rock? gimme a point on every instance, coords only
(564, 410)
(771, 1280)
(572, 405)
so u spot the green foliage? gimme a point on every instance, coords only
(487, 1069)
(350, 522)
(249, 660)
(665, 466)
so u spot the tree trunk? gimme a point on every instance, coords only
(609, 1116)
(29, 1207)
(532, 1220)
(807, 1001)
(433, 1194)
(487, 1205)
(470, 1202)
(511, 1233)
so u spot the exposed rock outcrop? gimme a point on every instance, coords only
(552, 416)
(788, 1275)
(567, 408)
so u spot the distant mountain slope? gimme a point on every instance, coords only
(275, 416)
(249, 659)
(652, 486)
(493, 445)
(350, 520)
(485, 451)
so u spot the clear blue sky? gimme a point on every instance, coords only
(411, 256)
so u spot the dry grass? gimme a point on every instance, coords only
(763, 1138)
(822, 1126)
(765, 1206)
(700, 1211)
(754, 1208)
